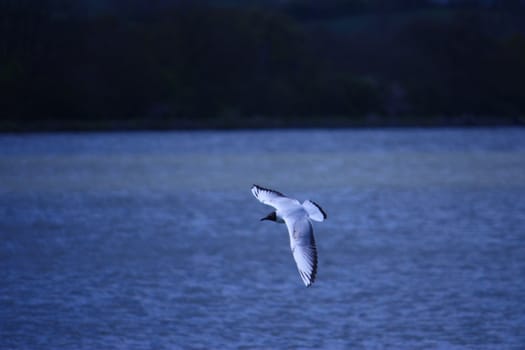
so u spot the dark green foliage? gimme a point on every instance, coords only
(447, 63)
(189, 65)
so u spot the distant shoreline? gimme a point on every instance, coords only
(12, 126)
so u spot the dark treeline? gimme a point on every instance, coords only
(183, 64)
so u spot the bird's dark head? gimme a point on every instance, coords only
(272, 216)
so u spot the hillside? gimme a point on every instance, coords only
(245, 66)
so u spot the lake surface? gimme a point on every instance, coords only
(153, 240)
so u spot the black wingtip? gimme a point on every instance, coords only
(261, 188)
(320, 209)
(310, 283)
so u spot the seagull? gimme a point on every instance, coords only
(298, 219)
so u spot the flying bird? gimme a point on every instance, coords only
(298, 219)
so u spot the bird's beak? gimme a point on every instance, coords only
(268, 217)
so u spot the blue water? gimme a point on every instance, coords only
(153, 240)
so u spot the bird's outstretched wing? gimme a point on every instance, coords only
(302, 243)
(314, 210)
(273, 198)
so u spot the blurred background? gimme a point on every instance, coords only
(113, 64)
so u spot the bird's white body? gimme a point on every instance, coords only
(297, 218)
